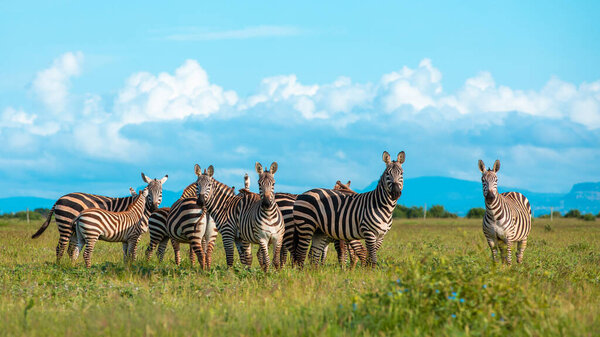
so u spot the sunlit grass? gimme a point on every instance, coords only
(435, 277)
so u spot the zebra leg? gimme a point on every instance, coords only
(77, 249)
(90, 243)
(509, 252)
(359, 251)
(151, 246)
(520, 250)
(277, 247)
(177, 251)
(263, 251)
(60, 247)
(162, 247)
(125, 244)
(196, 247)
(191, 255)
(72, 244)
(283, 256)
(494, 249)
(341, 248)
(228, 243)
(371, 242)
(132, 249)
(208, 241)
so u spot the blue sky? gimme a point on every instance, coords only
(92, 94)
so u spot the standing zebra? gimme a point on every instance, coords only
(68, 207)
(507, 216)
(344, 216)
(320, 241)
(285, 202)
(244, 218)
(95, 224)
(183, 222)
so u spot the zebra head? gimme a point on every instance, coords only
(154, 191)
(489, 179)
(204, 184)
(266, 184)
(392, 178)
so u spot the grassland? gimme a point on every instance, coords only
(434, 278)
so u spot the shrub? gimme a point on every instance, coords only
(400, 212)
(574, 213)
(589, 217)
(476, 213)
(438, 211)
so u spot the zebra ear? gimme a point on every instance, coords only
(259, 168)
(197, 170)
(164, 179)
(481, 166)
(496, 165)
(210, 171)
(386, 158)
(401, 157)
(273, 168)
(146, 179)
(132, 191)
(348, 184)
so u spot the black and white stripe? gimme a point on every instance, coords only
(507, 217)
(69, 206)
(127, 227)
(344, 216)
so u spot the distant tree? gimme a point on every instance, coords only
(438, 211)
(556, 214)
(598, 215)
(574, 213)
(589, 217)
(476, 213)
(400, 212)
(415, 212)
(42, 211)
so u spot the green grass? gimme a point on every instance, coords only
(434, 278)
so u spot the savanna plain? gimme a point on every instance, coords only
(434, 278)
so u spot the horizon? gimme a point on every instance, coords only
(87, 107)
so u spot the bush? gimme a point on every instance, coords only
(589, 217)
(400, 212)
(438, 211)
(574, 213)
(476, 213)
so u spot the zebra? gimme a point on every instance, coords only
(95, 224)
(68, 207)
(320, 241)
(285, 202)
(344, 216)
(507, 216)
(244, 218)
(175, 223)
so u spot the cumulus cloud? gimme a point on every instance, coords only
(52, 84)
(318, 132)
(187, 92)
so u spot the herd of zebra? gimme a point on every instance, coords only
(291, 224)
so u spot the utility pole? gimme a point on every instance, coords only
(551, 215)
(28, 215)
(425, 212)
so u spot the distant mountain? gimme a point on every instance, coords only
(457, 196)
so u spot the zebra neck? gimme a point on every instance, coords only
(138, 208)
(221, 196)
(497, 208)
(190, 191)
(383, 196)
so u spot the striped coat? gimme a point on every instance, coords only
(285, 202)
(507, 218)
(69, 206)
(344, 216)
(127, 227)
(183, 222)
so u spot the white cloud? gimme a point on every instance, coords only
(166, 97)
(52, 84)
(12, 117)
(202, 34)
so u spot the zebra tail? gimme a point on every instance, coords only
(45, 224)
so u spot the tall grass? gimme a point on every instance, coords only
(435, 277)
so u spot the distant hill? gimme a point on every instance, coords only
(456, 195)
